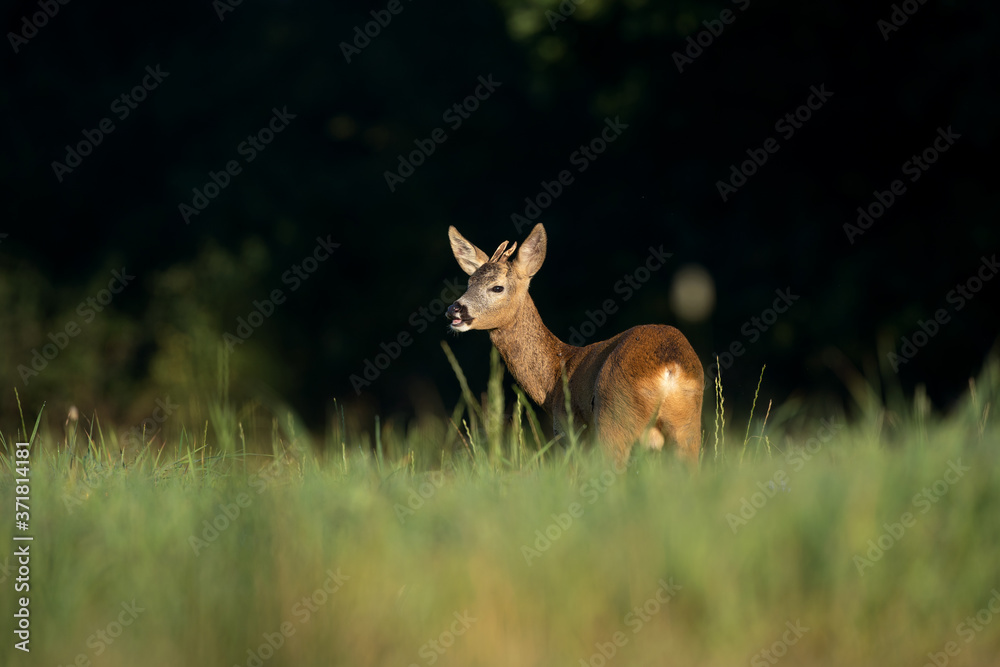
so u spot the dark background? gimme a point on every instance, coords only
(324, 176)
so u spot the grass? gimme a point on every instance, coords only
(475, 540)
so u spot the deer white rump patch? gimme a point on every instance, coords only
(668, 379)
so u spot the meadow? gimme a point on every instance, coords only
(803, 539)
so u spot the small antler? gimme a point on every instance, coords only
(503, 253)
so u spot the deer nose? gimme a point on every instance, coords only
(454, 311)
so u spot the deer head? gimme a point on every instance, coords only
(497, 286)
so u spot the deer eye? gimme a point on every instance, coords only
(497, 288)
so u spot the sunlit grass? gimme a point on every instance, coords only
(477, 540)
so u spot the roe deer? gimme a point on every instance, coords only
(645, 384)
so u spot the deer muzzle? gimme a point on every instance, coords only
(459, 316)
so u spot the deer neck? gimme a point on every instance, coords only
(533, 354)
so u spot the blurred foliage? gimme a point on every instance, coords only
(323, 175)
(876, 535)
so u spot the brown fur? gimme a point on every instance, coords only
(642, 385)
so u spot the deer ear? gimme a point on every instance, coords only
(469, 256)
(532, 253)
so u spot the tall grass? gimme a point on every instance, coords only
(482, 534)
